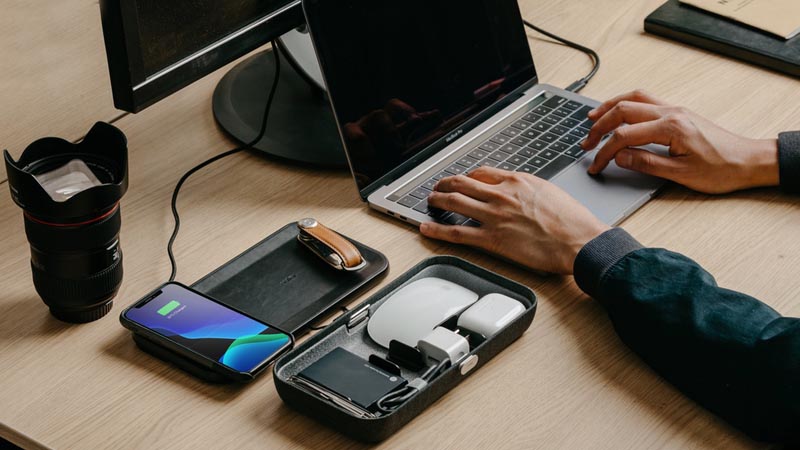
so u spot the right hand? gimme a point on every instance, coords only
(703, 156)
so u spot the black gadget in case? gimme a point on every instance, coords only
(349, 332)
(277, 281)
(694, 26)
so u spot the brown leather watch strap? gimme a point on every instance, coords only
(350, 255)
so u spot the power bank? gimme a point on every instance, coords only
(352, 377)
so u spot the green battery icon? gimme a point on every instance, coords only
(169, 307)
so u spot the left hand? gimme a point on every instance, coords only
(523, 218)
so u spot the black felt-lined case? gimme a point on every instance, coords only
(356, 340)
(279, 282)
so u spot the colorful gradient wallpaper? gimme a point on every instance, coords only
(209, 328)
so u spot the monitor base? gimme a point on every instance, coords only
(301, 126)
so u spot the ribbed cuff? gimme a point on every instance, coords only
(789, 161)
(600, 255)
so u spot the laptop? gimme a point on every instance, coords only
(426, 89)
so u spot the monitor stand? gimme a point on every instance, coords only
(301, 126)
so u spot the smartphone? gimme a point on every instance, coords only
(197, 327)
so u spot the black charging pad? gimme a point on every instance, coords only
(281, 283)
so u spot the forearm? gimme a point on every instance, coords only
(729, 352)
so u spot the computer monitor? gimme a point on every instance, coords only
(156, 48)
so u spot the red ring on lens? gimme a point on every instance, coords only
(88, 222)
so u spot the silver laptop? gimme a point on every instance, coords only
(425, 89)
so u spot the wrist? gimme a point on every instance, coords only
(590, 234)
(762, 168)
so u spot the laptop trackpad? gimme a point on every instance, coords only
(614, 194)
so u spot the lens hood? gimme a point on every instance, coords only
(104, 150)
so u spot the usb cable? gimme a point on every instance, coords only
(578, 85)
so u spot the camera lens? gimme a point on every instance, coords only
(70, 196)
(77, 268)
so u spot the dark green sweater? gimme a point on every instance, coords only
(730, 352)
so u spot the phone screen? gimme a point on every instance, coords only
(209, 328)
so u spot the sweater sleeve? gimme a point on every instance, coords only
(789, 161)
(729, 352)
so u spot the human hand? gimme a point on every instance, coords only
(523, 218)
(704, 156)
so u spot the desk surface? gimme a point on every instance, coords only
(568, 382)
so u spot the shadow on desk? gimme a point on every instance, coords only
(38, 321)
(123, 348)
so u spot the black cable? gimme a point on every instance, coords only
(210, 161)
(578, 85)
(395, 399)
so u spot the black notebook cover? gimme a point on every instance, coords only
(720, 35)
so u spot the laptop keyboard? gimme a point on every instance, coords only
(542, 139)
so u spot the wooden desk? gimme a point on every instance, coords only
(568, 383)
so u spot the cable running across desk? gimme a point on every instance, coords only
(578, 85)
(210, 161)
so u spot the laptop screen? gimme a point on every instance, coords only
(408, 77)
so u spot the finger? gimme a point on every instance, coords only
(399, 110)
(625, 112)
(467, 186)
(638, 96)
(649, 163)
(471, 236)
(655, 132)
(459, 203)
(489, 175)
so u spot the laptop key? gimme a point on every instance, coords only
(420, 193)
(511, 148)
(511, 132)
(551, 120)
(479, 154)
(542, 110)
(538, 145)
(542, 126)
(526, 152)
(588, 124)
(488, 163)
(455, 169)
(572, 104)
(547, 154)
(455, 219)
(531, 117)
(575, 152)
(582, 114)
(563, 112)
(520, 141)
(531, 134)
(570, 139)
(527, 169)
(555, 102)
(500, 139)
(507, 166)
(422, 207)
(570, 123)
(521, 124)
(559, 147)
(430, 184)
(467, 162)
(538, 162)
(499, 156)
(409, 201)
(559, 130)
(471, 223)
(580, 132)
(549, 137)
(516, 160)
(441, 175)
(555, 167)
(489, 146)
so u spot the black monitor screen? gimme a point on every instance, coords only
(172, 30)
(407, 76)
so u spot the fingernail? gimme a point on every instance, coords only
(592, 112)
(624, 159)
(424, 227)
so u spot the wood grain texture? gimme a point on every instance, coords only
(53, 77)
(568, 383)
